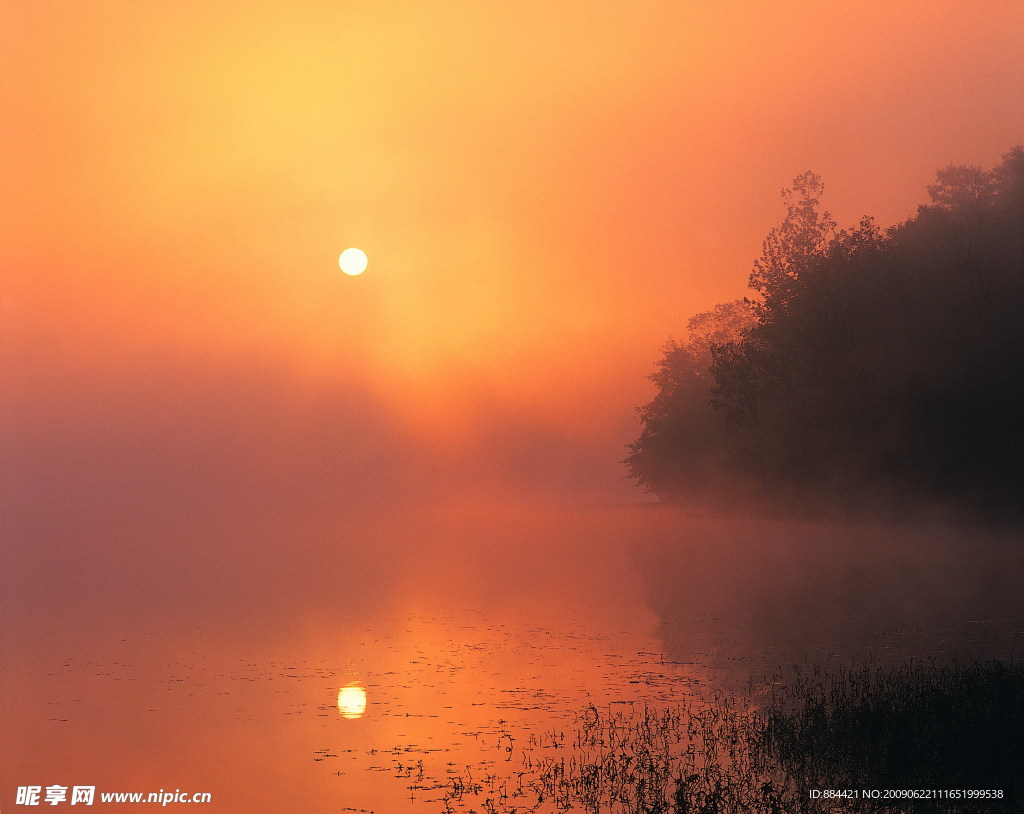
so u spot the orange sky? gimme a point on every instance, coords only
(546, 191)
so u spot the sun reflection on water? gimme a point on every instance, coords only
(352, 701)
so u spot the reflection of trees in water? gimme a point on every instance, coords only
(953, 732)
(760, 594)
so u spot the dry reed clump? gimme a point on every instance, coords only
(918, 727)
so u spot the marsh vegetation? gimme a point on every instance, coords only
(767, 750)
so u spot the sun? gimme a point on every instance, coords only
(353, 261)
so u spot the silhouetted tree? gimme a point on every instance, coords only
(791, 248)
(682, 441)
(726, 322)
(962, 188)
(892, 358)
(677, 436)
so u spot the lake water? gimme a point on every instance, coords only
(470, 645)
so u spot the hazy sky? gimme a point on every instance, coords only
(546, 191)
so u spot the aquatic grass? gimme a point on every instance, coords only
(763, 751)
(634, 759)
(919, 726)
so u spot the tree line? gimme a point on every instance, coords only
(864, 361)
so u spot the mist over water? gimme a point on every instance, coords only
(199, 654)
(200, 553)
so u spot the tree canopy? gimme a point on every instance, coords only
(866, 361)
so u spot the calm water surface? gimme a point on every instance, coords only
(468, 645)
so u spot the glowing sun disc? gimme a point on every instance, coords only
(353, 261)
(352, 701)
